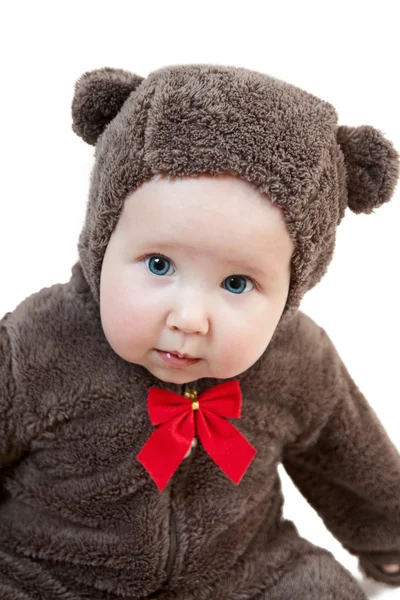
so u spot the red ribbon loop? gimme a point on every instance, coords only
(179, 418)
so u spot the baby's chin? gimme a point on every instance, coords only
(179, 377)
(168, 374)
(189, 374)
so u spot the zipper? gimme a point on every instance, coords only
(171, 556)
(173, 527)
(173, 546)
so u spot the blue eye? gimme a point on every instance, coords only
(160, 265)
(235, 283)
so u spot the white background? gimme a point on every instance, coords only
(346, 53)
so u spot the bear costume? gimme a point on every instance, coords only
(85, 512)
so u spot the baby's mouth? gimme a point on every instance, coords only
(174, 360)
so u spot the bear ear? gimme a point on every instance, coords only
(372, 166)
(98, 97)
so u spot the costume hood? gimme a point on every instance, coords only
(184, 120)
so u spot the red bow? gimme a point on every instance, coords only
(176, 415)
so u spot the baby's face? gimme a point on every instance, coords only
(198, 266)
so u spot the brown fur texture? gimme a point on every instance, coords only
(80, 518)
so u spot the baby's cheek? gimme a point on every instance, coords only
(235, 347)
(254, 338)
(126, 325)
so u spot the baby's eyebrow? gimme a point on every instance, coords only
(243, 265)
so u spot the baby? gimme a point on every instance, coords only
(145, 404)
(221, 320)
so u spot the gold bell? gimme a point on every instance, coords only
(192, 395)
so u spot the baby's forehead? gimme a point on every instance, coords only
(218, 205)
(222, 214)
(213, 194)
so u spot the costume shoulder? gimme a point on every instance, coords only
(44, 322)
(295, 373)
(301, 334)
(43, 344)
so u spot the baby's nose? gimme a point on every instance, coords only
(189, 316)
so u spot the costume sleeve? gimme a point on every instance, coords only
(347, 468)
(7, 392)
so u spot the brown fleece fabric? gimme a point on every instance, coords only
(80, 518)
